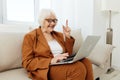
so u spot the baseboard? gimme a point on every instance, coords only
(116, 67)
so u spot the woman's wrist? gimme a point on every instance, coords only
(53, 60)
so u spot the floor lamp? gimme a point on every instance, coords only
(110, 6)
(109, 40)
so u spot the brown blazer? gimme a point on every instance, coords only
(36, 54)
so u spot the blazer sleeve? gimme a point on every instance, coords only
(69, 42)
(29, 61)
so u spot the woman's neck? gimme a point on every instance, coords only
(44, 31)
(47, 34)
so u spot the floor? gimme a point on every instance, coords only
(115, 75)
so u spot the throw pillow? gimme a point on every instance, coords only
(100, 54)
(78, 39)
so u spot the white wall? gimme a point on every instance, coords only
(99, 21)
(116, 39)
(100, 25)
(84, 20)
(78, 12)
(0, 11)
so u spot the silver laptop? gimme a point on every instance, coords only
(83, 52)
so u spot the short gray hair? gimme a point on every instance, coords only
(44, 13)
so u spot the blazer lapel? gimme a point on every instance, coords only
(42, 39)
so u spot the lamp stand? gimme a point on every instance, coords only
(109, 38)
(109, 41)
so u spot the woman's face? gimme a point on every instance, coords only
(49, 23)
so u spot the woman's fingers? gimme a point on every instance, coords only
(65, 54)
(59, 57)
(67, 23)
(66, 29)
(66, 26)
(62, 56)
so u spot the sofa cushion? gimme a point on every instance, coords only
(98, 71)
(100, 54)
(78, 39)
(10, 50)
(15, 74)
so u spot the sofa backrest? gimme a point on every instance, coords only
(11, 44)
(78, 39)
(10, 50)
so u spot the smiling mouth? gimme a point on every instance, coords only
(51, 26)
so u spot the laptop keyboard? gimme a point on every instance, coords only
(69, 58)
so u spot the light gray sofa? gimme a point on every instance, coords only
(10, 54)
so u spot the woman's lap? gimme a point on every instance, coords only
(75, 71)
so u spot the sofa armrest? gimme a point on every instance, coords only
(100, 54)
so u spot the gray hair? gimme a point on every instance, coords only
(44, 13)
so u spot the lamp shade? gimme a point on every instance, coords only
(113, 5)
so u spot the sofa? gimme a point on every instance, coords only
(10, 53)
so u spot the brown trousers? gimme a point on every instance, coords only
(80, 70)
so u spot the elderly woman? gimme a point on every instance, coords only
(44, 46)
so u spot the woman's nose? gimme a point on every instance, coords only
(53, 23)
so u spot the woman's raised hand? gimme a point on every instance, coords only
(66, 30)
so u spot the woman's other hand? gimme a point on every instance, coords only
(59, 58)
(66, 30)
